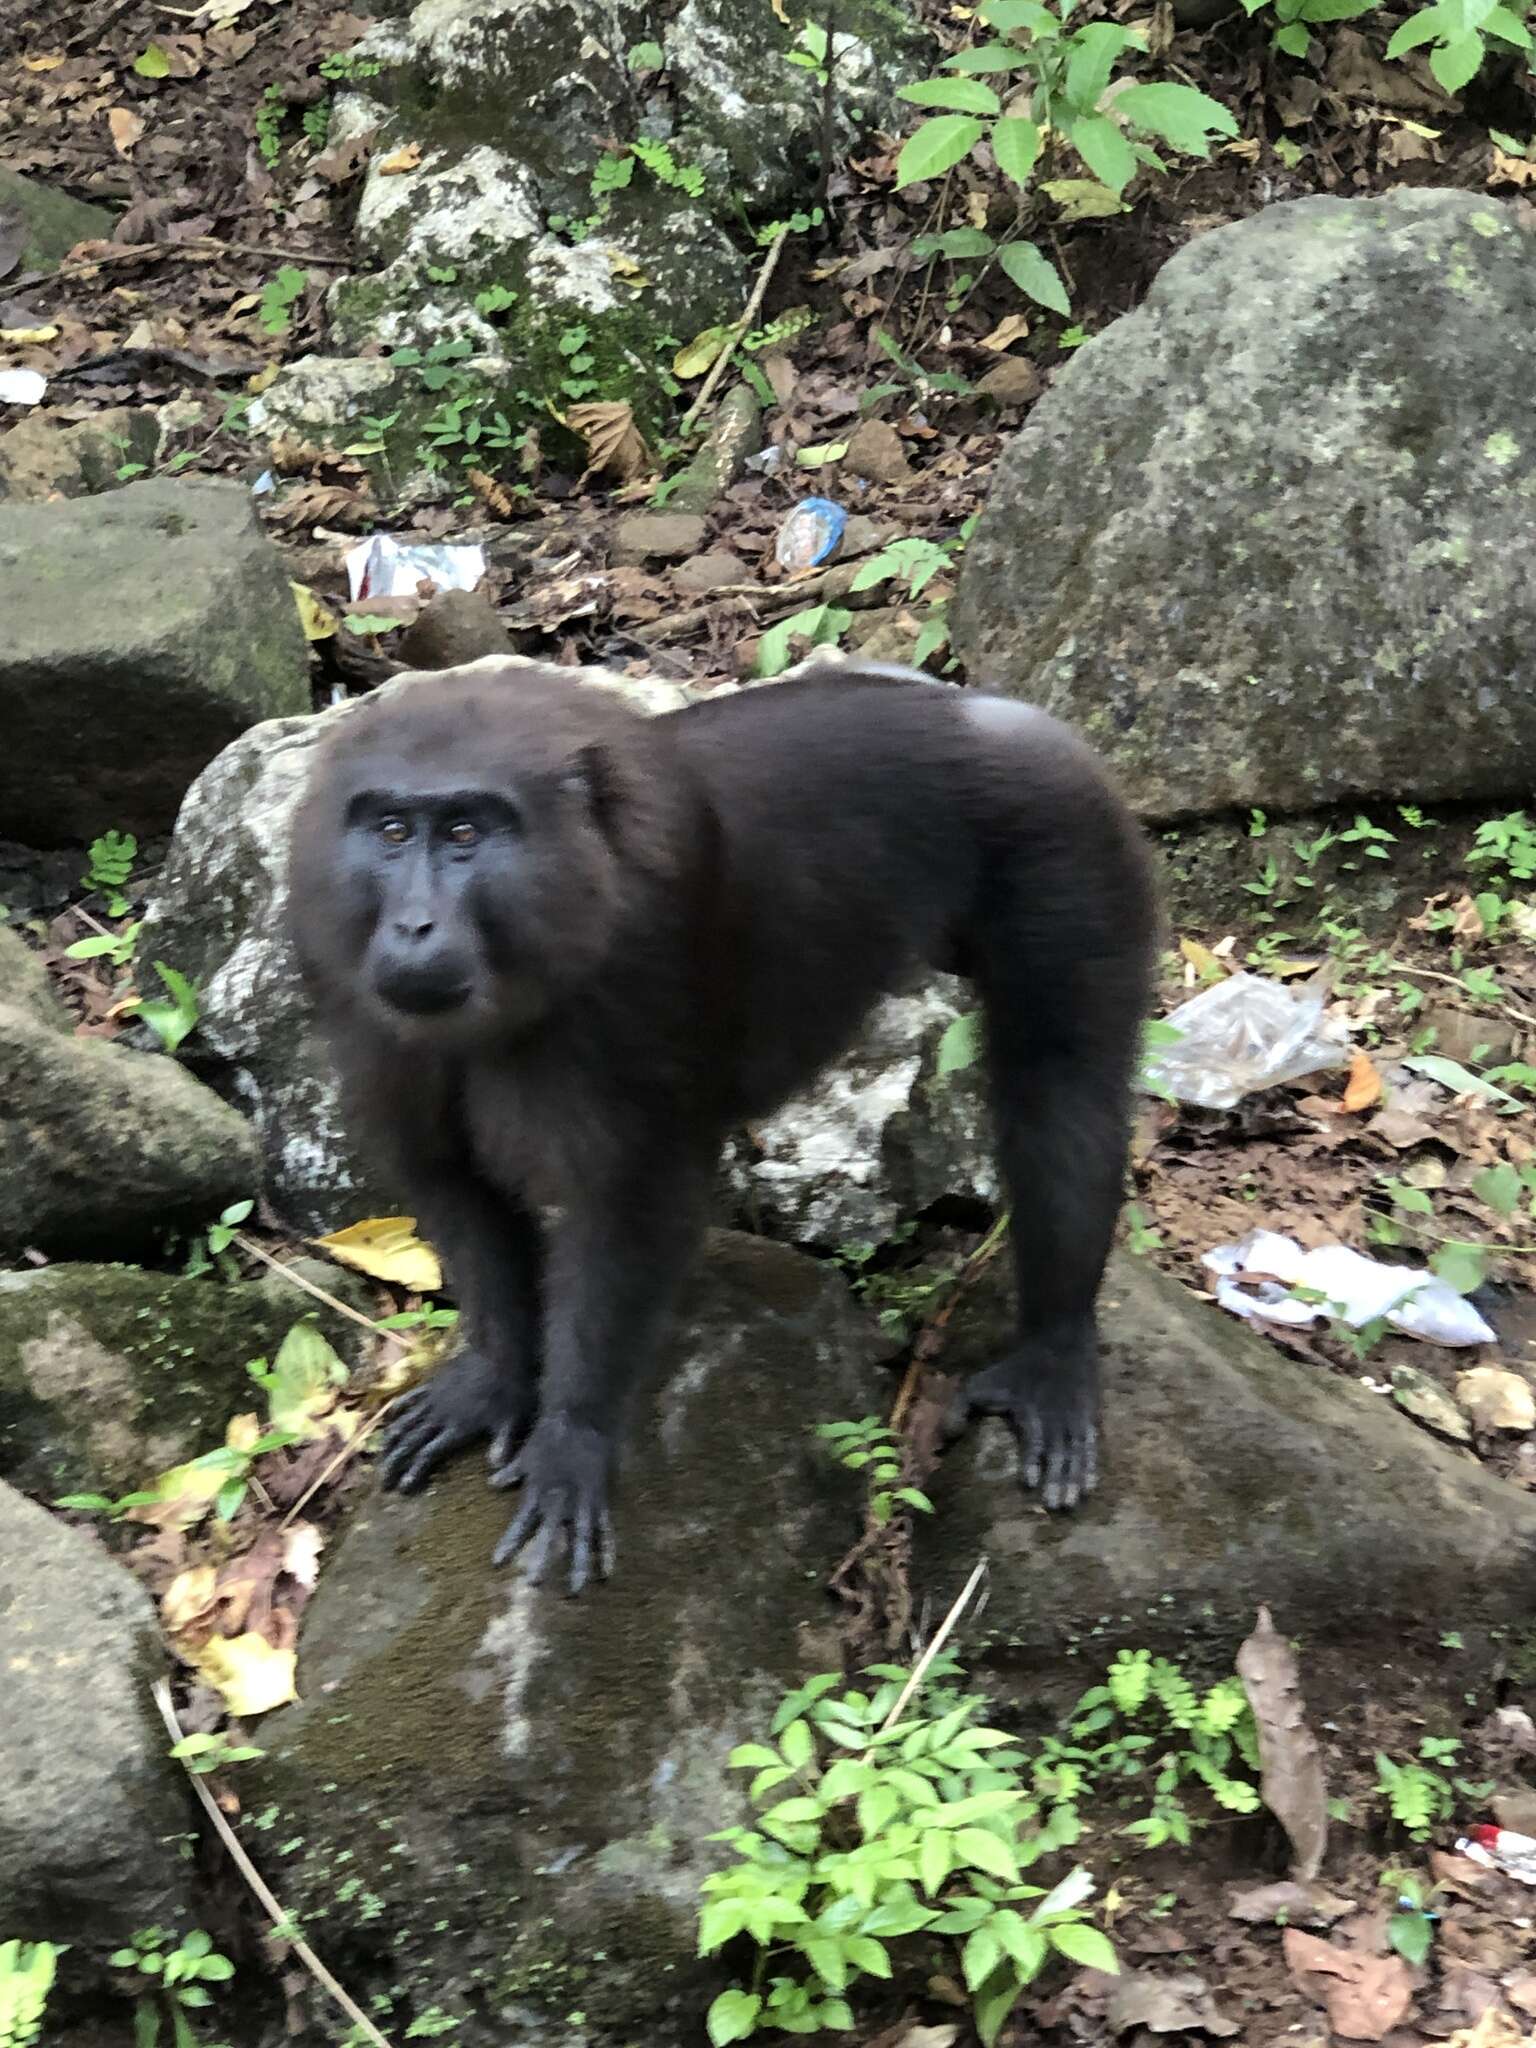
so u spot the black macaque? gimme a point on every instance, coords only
(560, 950)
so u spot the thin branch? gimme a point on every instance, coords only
(332, 1301)
(198, 245)
(717, 367)
(828, 115)
(281, 1921)
(945, 1628)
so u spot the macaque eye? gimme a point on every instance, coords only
(463, 833)
(394, 831)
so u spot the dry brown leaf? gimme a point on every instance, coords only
(1363, 1089)
(1366, 1996)
(490, 492)
(615, 445)
(126, 127)
(1511, 170)
(1291, 1783)
(1011, 328)
(1494, 2029)
(407, 158)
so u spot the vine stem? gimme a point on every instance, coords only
(717, 367)
(940, 1638)
(258, 1884)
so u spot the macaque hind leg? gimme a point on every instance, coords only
(1062, 1039)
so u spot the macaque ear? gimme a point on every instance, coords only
(590, 774)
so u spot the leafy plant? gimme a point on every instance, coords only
(26, 1977)
(270, 110)
(915, 562)
(869, 1446)
(171, 1016)
(1411, 1929)
(820, 625)
(111, 859)
(1458, 32)
(1508, 843)
(892, 1828)
(1067, 73)
(1295, 18)
(204, 1753)
(171, 1982)
(279, 296)
(1418, 1794)
(212, 1250)
(114, 946)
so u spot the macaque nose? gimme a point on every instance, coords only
(413, 928)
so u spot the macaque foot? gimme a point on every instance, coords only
(563, 1469)
(470, 1397)
(1049, 1399)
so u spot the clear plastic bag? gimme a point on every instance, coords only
(1244, 1034)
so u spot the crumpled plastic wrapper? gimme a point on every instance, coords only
(386, 567)
(1355, 1289)
(1243, 1034)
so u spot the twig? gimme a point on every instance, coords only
(281, 1921)
(344, 1456)
(342, 1308)
(1455, 981)
(198, 245)
(941, 1637)
(717, 367)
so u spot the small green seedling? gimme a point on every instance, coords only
(170, 1983)
(111, 863)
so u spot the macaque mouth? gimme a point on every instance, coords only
(422, 994)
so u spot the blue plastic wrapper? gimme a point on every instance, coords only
(810, 534)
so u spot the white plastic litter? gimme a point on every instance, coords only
(1355, 1289)
(386, 567)
(1244, 1034)
(22, 387)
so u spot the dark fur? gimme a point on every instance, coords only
(689, 917)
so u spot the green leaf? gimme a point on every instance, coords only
(1412, 1935)
(1182, 116)
(868, 1955)
(1026, 1945)
(826, 1958)
(1094, 50)
(84, 1503)
(875, 1808)
(152, 62)
(1499, 1186)
(1422, 27)
(964, 95)
(984, 57)
(732, 2017)
(1103, 149)
(1080, 1943)
(1035, 275)
(796, 1745)
(987, 1852)
(1009, 15)
(751, 1756)
(1083, 198)
(1462, 1266)
(980, 1956)
(1339, 10)
(935, 1859)
(1504, 23)
(937, 147)
(992, 2003)
(1016, 145)
(960, 1047)
(1458, 62)
(956, 243)
(1292, 39)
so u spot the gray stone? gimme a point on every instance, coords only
(704, 574)
(524, 1784)
(454, 627)
(40, 458)
(1266, 540)
(1233, 1474)
(657, 537)
(93, 1814)
(24, 983)
(103, 1148)
(143, 631)
(110, 1375)
(878, 1137)
(53, 222)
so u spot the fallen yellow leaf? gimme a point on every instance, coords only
(696, 358)
(126, 128)
(1363, 1087)
(389, 1249)
(1011, 328)
(21, 337)
(1202, 959)
(401, 160)
(49, 63)
(188, 1597)
(251, 1675)
(318, 621)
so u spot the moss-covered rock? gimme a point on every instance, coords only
(24, 983)
(52, 222)
(190, 634)
(110, 1375)
(1233, 1474)
(106, 1149)
(495, 1800)
(1265, 539)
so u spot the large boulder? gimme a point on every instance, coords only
(106, 1148)
(1234, 1474)
(51, 222)
(495, 1800)
(92, 1811)
(878, 1137)
(110, 1375)
(1266, 540)
(143, 631)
